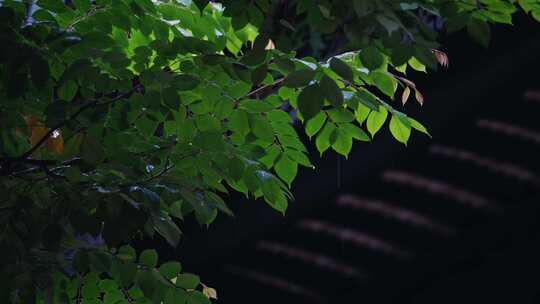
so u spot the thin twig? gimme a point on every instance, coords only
(55, 128)
(256, 91)
(163, 171)
(79, 294)
(127, 296)
(71, 117)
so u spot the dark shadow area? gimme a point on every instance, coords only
(452, 219)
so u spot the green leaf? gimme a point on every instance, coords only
(299, 78)
(315, 124)
(92, 150)
(100, 261)
(256, 17)
(368, 100)
(376, 120)
(167, 229)
(149, 257)
(80, 261)
(256, 106)
(385, 82)
(528, 5)
(126, 253)
(340, 115)
(399, 130)
(272, 191)
(204, 212)
(152, 285)
(299, 157)
(262, 129)
(206, 123)
(343, 142)
(286, 65)
(176, 210)
(254, 57)
(341, 68)
(176, 296)
(310, 101)
(171, 98)
(286, 169)
(536, 14)
(331, 91)
(188, 280)
(90, 291)
(279, 116)
(67, 90)
(259, 74)
(417, 65)
(120, 19)
(371, 58)
(390, 23)
(186, 82)
(418, 126)
(479, 30)
(355, 132)
(170, 269)
(401, 55)
(361, 113)
(363, 7)
(236, 168)
(323, 141)
(148, 5)
(197, 297)
(426, 56)
(215, 201)
(127, 273)
(53, 5)
(224, 109)
(239, 123)
(108, 286)
(146, 126)
(97, 40)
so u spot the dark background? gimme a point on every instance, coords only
(452, 219)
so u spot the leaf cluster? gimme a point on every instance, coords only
(120, 119)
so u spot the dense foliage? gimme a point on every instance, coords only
(120, 118)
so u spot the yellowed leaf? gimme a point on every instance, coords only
(209, 292)
(270, 45)
(405, 95)
(419, 97)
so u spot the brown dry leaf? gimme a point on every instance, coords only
(209, 292)
(419, 97)
(405, 96)
(37, 131)
(55, 143)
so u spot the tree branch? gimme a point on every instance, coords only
(70, 118)
(258, 90)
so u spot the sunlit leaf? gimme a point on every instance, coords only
(376, 120)
(399, 130)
